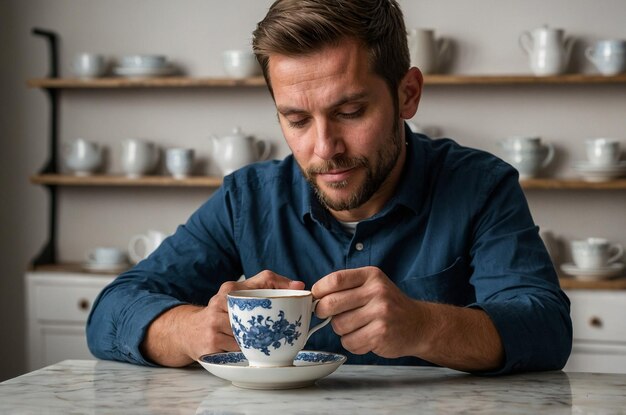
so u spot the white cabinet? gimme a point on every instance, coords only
(58, 304)
(599, 331)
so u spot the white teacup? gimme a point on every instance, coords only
(240, 63)
(271, 326)
(142, 245)
(88, 65)
(106, 255)
(179, 162)
(82, 156)
(595, 253)
(609, 56)
(602, 151)
(528, 154)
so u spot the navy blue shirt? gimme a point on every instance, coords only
(457, 231)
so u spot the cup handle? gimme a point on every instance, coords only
(319, 326)
(619, 252)
(549, 156)
(589, 55)
(525, 40)
(264, 148)
(132, 252)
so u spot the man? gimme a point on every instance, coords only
(424, 252)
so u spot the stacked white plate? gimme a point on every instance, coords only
(600, 173)
(143, 66)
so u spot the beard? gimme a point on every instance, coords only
(375, 175)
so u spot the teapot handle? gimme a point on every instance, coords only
(589, 55)
(443, 50)
(525, 40)
(264, 149)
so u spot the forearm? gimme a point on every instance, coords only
(166, 339)
(459, 338)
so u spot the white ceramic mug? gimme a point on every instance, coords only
(240, 63)
(88, 65)
(527, 154)
(142, 245)
(179, 162)
(609, 56)
(602, 151)
(106, 255)
(271, 326)
(139, 157)
(82, 156)
(595, 253)
(426, 52)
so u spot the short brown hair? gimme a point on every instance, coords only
(299, 27)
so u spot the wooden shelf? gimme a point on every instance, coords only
(572, 184)
(155, 82)
(123, 181)
(580, 79)
(612, 284)
(185, 82)
(207, 181)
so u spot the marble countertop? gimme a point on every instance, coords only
(89, 386)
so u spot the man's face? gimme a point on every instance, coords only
(340, 122)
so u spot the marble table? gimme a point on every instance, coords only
(89, 386)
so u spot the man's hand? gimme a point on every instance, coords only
(371, 314)
(184, 333)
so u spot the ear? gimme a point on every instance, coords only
(410, 92)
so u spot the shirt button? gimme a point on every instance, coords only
(359, 246)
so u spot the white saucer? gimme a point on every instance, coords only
(596, 173)
(612, 270)
(309, 366)
(146, 71)
(105, 268)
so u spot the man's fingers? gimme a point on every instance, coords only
(338, 281)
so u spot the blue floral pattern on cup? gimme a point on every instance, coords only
(261, 333)
(250, 303)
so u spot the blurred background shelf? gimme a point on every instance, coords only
(186, 82)
(121, 181)
(208, 181)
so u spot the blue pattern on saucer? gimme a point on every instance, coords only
(237, 358)
(317, 357)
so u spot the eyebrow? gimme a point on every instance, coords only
(285, 110)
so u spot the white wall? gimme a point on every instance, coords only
(193, 33)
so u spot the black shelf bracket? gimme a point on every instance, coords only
(48, 254)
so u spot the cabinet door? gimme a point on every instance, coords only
(58, 306)
(57, 343)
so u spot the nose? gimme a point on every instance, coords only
(328, 140)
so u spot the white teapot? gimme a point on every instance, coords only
(548, 50)
(234, 151)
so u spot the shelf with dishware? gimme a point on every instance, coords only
(211, 181)
(189, 82)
